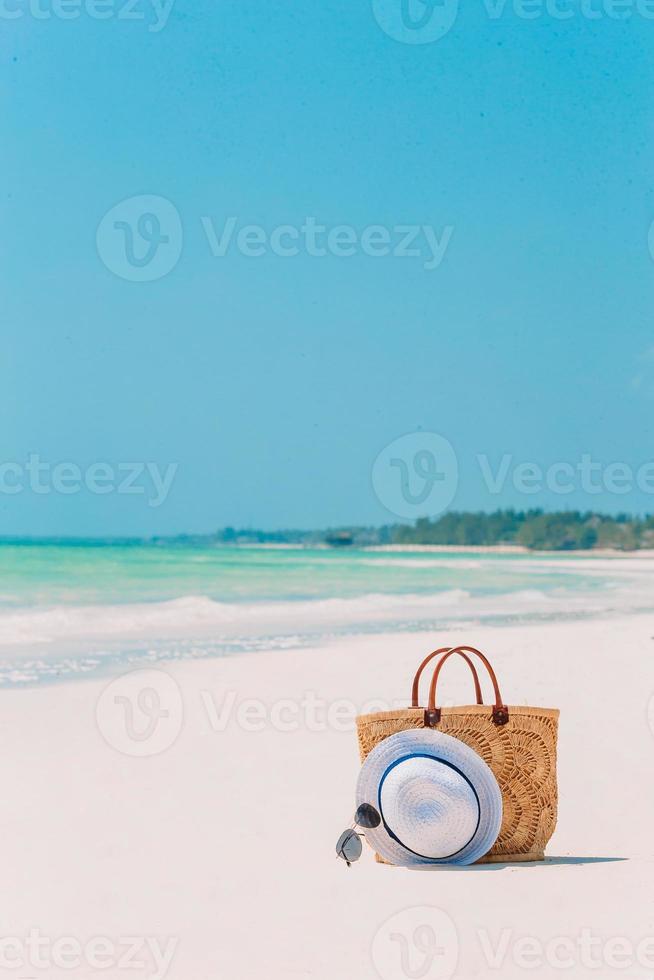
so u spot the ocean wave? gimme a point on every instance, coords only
(200, 616)
(55, 643)
(200, 613)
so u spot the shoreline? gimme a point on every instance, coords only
(471, 549)
(479, 549)
(177, 545)
(500, 549)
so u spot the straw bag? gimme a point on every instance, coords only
(517, 742)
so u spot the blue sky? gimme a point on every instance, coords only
(272, 383)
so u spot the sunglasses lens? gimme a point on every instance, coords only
(349, 846)
(367, 816)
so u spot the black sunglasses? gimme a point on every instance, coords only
(348, 845)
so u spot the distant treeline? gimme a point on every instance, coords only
(534, 529)
(560, 531)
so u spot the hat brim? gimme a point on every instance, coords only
(438, 745)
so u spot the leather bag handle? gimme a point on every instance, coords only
(415, 690)
(500, 714)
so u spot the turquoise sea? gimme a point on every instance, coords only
(79, 610)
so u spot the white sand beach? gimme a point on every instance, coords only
(215, 857)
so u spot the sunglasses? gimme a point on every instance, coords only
(348, 845)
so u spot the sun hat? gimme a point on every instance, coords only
(438, 800)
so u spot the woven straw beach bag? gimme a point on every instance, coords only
(517, 742)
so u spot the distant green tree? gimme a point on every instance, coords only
(558, 532)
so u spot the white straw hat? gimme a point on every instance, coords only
(438, 800)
